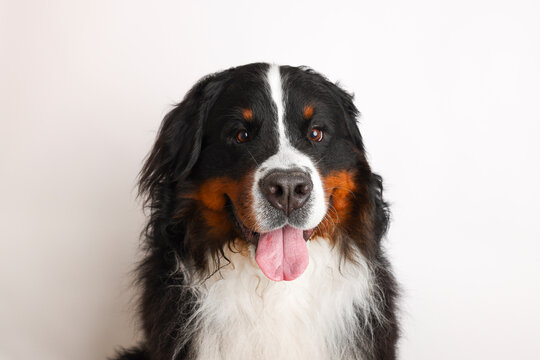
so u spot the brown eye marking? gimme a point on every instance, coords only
(247, 114)
(316, 135)
(242, 136)
(308, 112)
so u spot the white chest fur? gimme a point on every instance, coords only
(244, 315)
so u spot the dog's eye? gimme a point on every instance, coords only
(242, 136)
(316, 135)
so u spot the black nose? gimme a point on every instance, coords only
(286, 190)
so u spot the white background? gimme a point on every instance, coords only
(449, 93)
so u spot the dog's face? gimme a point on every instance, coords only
(265, 157)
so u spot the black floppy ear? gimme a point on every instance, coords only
(351, 113)
(379, 212)
(178, 143)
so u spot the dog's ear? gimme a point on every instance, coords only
(350, 112)
(377, 208)
(175, 152)
(381, 212)
(179, 140)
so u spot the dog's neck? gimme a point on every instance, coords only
(241, 314)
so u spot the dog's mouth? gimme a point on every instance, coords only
(281, 253)
(253, 237)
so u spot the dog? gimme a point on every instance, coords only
(265, 226)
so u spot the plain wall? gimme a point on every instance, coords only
(449, 92)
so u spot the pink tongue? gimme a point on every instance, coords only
(282, 254)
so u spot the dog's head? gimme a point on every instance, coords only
(264, 157)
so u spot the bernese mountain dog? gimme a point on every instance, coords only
(265, 226)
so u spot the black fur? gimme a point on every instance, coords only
(132, 354)
(193, 145)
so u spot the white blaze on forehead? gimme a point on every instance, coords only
(276, 92)
(287, 157)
